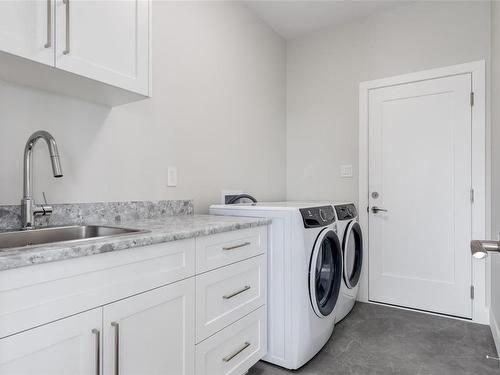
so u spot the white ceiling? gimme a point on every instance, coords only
(295, 18)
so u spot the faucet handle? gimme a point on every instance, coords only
(42, 210)
(46, 209)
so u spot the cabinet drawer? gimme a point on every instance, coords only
(229, 293)
(236, 348)
(229, 247)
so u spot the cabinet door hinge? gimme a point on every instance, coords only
(472, 292)
(472, 195)
(471, 99)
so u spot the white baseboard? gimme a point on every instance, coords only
(495, 331)
(423, 312)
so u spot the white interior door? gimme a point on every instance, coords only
(420, 172)
(26, 29)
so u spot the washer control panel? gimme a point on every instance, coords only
(317, 216)
(346, 211)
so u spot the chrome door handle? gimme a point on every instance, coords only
(117, 347)
(244, 289)
(236, 246)
(376, 209)
(231, 356)
(49, 24)
(66, 50)
(480, 248)
(97, 334)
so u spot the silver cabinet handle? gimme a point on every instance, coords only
(376, 209)
(236, 246)
(117, 347)
(244, 289)
(66, 50)
(49, 24)
(97, 334)
(231, 356)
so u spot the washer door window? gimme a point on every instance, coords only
(325, 273)
(353, 254)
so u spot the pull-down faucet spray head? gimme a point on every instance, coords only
(54, 157)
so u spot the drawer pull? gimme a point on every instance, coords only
(231, 356)
(236, 246)
(244, 289)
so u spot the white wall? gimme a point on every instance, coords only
(495, 173)
(324, 71)
(217, 113)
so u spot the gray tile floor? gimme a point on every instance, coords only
(376, 339)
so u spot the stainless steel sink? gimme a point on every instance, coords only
(71, 234)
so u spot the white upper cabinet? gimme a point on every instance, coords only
(26, 29)
(100, 48)
(105, 40)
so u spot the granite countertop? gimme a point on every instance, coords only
(160, 230)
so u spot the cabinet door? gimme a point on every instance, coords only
(26, 29)
(65, 347)
(105, 40)
(151, 333)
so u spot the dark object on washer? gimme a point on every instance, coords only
(236, 198)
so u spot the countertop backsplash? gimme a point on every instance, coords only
(97, 213)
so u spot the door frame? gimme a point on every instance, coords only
(480, 173)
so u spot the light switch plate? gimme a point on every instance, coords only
(346, 170)
(172, 176)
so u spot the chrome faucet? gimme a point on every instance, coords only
(28, 207)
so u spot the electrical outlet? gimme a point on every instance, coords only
(172, 176)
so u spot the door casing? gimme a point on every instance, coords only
(481, 161)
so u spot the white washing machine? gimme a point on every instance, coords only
(351, 238)
(304, 276)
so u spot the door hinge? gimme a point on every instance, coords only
(471, 99)
(472, 292)
(472, 195)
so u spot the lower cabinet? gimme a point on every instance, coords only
(65, 347)
(150, 333)
(141, 313)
